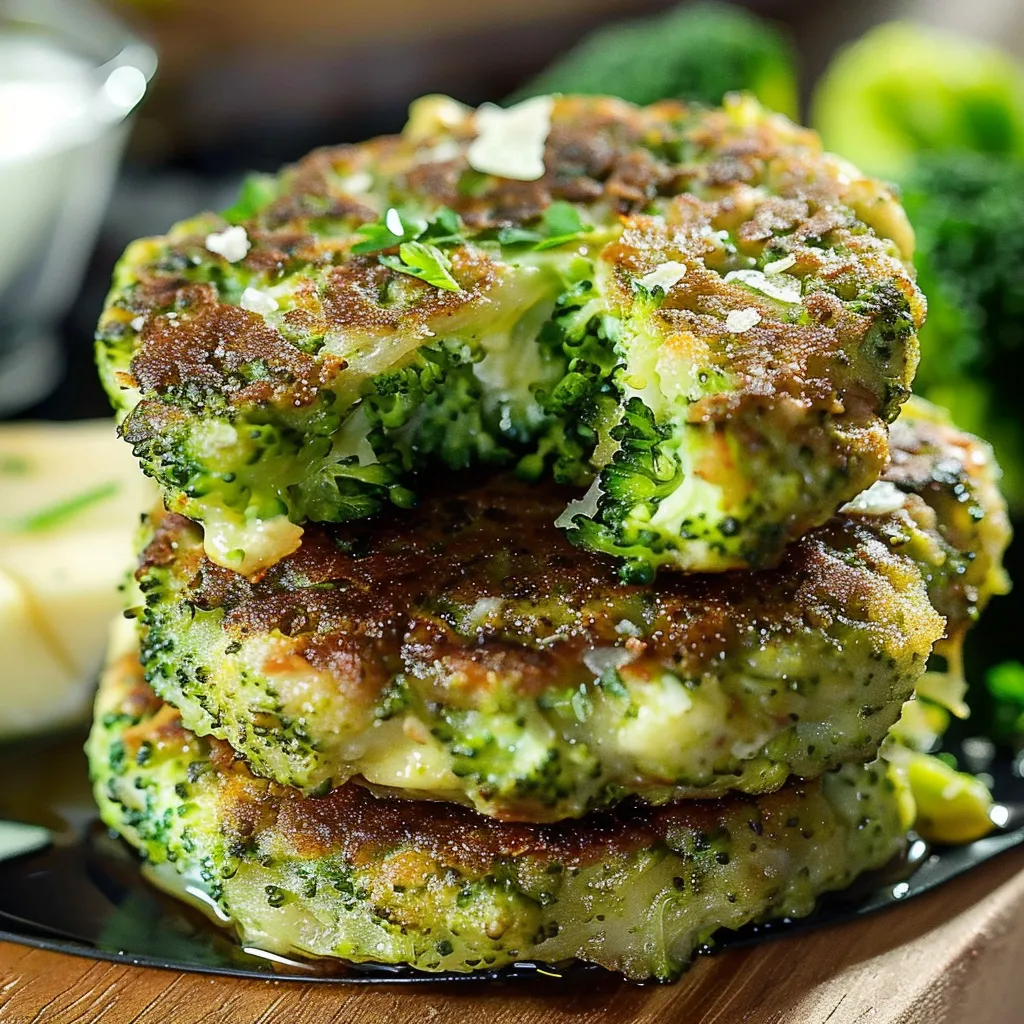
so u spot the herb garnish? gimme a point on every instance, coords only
(427, 262)
(258, 191)
(559, 224)
(391, 230)
(418, 242)
(47, 518)
(394, 228)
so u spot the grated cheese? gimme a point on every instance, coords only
(664, 277)
(357, 183)
(784, 290)
(231, 243)
(257, 302)
(739, 320)
(780, 265)
(510, 143)
(879, 499)
(585, 506)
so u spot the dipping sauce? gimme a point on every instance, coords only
(70, 77)
(45, 99)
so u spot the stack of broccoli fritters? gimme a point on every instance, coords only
(539, 573)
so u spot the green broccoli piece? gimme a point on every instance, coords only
(1005, 684)
(640, 476)
(904, 88)
(257, 192)
(968, 212)
(584, 402)
(435, 406)
(697, 52)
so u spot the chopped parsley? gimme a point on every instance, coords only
(420, 242)
(391, 230)
(427, 262)
(258, 191)
(444, 229)
(559, 224)
(56, 514)
(395, 228)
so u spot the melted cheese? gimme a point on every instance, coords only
(249, 547)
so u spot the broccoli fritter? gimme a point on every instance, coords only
(956, 475)
(365, 879)
(466, 651)
(695, 313)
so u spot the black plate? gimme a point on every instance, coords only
(85, 894)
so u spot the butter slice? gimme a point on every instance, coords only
(60, 573)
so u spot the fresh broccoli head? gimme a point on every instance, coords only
(697, 313)
(903, 89)
(968, 212)
(698, 52)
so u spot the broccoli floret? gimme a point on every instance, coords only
(581, 337)
(968, 212)
(698, 52)
(435, 406)
(904, 88)
(640, 476)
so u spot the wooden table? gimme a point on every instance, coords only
(954, 956)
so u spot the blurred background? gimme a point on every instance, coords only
(934, 102)
(251, 84)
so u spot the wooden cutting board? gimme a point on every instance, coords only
(954, 956)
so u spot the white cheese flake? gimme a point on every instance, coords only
(138, 323)
(393, 222)
(665, 276)
(881, 498)
(601, 660)
(739, 320)
(483, 609)
(441, 153)
(357, 183)
(231, 243)
(585, 506)
(433, 115)
(784, 289)
(626, 627)
(257, 302)
(510, 142)
(779, 266)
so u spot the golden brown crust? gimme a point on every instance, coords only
(367, 601)
(763, 178)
